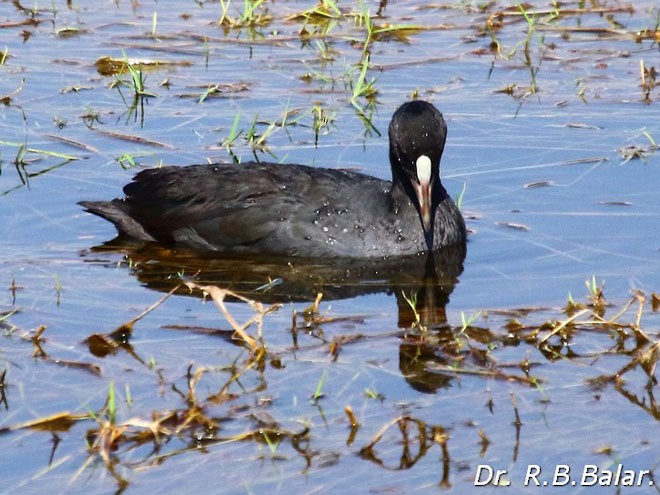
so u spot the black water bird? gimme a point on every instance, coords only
(297, 210)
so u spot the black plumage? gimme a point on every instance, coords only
(299, 210)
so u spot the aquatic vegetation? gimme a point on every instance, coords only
(136, 83)
(648, 76)
(234, 133)
(254, 13)
(323, 121)
(641, 152)
(530, 18)
(472, 348)
(318, 393)
(128, 161)
(536, 48)
(27, 160)
(154, 24)
(320, 14)
(282, 396)
(58, 288)
(254, 138)
(113, 66)
(254, 344)
(7, 99)
(318, 24)
(363, 88)
(461, 196)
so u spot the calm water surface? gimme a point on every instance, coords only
(551, 202)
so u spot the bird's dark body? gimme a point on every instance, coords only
(291, 210)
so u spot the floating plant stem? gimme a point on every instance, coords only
(23, 150)
(362, 88)
(111, 405)
(531, 30)
(364, 19)
(467, 322)
(272, 444)
(154, 23)
(234, 133)
(322, 122)
(461, 195)
(654, 145)
(648, 76)
(412, 303)
(58, 288)
(318, 393)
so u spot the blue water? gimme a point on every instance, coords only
(593, 215)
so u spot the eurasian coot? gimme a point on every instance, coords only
(297, 210)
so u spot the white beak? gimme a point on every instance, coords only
(423, 190)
